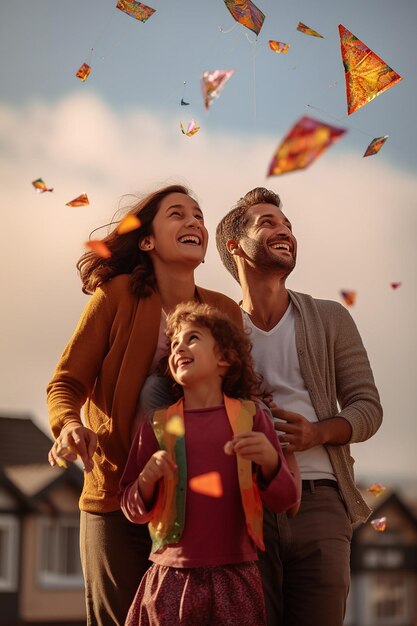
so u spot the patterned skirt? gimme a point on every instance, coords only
(229, 595)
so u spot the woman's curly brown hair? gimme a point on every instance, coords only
(240, 380)
(126, 256)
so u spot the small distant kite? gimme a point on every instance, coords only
(183, 102)
(209, 484)
(192, 128)
(279, 46)
(212, 83)
(246, 13)
(135, 9)
(366, 74)
(98, 247)
(308, 31)
(376, 489)
(83, 72)
(81, 200)
(379, 524)
(40, 186)
(349, 297)
(375, 146)
(395, 285)
(129, 222)
(303, 144)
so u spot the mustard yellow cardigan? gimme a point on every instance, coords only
(102, 369)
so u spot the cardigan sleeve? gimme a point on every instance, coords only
(356, 390)
(280, 493)
(144, 445)
(77, 369)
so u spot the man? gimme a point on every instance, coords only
(316, 370)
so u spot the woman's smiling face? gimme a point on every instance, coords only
(178, 231)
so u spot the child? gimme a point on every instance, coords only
(204, 548)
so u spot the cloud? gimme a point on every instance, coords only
(354, 218)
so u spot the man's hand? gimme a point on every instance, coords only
(298, 433)
(74, 440)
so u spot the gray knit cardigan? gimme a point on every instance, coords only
(338, 376)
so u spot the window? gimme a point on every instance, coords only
(59, 555)
(391, 599)
(389, 558)
(9, 552)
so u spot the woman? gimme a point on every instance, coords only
(115, 347)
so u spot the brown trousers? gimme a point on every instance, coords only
(114, 557)
(306, 565)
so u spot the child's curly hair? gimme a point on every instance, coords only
(240, 380)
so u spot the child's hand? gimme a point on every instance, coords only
(256, 447)
(160, 465)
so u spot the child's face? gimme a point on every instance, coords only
(195, 356)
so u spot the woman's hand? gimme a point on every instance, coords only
(74, 440)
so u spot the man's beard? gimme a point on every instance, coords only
(265, 261)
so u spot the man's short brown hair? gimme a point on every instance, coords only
(233, 225)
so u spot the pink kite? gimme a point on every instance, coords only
(379, 524)
(212, 83)
(192, 128)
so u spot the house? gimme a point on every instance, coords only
(41, 581)
(384, 566)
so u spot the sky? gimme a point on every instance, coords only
(117, 136)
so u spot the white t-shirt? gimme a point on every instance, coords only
(276, 359)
